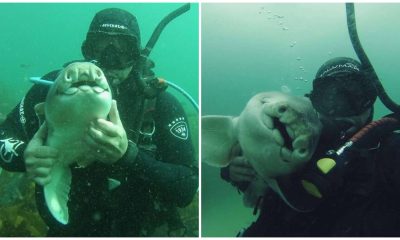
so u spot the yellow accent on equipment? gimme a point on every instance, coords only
(326, 164)
(311, 188)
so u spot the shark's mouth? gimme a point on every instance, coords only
(293, 145)
(83, 84)
(281, 127)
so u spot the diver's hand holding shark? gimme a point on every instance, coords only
(79, 96)
(277, 134)
(240, 170)
(108, 138)
(39, 158)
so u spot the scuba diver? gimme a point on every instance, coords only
(153, 164)
(350, 187)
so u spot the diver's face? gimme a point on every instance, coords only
(117, 59)
(117, 76)
(113, 51)
(116, 55)
(348, 124)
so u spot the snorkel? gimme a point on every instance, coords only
(369, 69)
(146, 52)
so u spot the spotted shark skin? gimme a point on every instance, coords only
(277, 132)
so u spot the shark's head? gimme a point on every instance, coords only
(81, 89)
(278, 133)
(81, 77)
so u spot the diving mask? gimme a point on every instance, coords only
(111, 51)
(343, 95)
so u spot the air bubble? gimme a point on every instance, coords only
(285, 89)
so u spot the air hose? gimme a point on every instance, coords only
(352, 28)
(160, 27)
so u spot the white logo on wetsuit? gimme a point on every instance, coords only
(179, 128)
(22, 118)
(8, 149)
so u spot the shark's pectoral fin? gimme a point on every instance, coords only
(39, 110)
(57, 191)
(218, 137)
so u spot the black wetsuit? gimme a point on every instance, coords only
(153, 184)
(367, 204)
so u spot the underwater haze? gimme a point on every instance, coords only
(255, 47)
(38, 38)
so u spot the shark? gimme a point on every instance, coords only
(79, 95)
(277, 133)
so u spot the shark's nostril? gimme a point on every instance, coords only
(68, 77)
(282, 109)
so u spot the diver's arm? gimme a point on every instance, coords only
(18, 128)
(226, 173)
(389, 159)
(173, 173)
(13, 141)
(239, 172)
(174, 183)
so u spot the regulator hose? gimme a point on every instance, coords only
(352, 28)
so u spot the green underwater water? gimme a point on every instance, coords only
(37, 38)
(250, 48)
